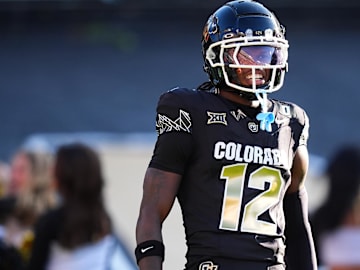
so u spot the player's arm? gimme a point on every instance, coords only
(300, 252)
(162, 179)
(159, 192)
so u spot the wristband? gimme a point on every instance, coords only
(149, 248)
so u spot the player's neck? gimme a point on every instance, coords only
(239, 99)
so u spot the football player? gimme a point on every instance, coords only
(234, 159)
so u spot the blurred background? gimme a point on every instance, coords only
(99, 66)
(93, 70)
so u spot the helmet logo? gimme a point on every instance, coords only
(206, 34)
(213, 26)
(249, 32)
(210, 28)
(268, 33)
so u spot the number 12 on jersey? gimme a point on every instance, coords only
(234, 175)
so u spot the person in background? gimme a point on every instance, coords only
(235, 159)
(79, 233)
(336, 223)
(30, 194)
(10, 257)
(4, 178)
(4, 191)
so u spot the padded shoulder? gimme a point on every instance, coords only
(291, 110)
(299, 120)
(178, 97)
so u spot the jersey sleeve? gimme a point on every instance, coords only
(304, 135)
(174, 128)
(301, 126)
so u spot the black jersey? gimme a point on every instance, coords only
(235, 175)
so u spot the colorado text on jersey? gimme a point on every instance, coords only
(247, 153)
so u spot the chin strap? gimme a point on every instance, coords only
(266, 118)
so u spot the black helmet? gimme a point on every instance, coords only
(230, 33)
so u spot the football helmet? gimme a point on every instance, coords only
(245, 37)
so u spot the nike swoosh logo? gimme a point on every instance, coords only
(143, 250)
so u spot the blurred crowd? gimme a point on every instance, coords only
(52, 214)
(336, 223)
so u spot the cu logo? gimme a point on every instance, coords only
(209, 265)
(253, 127)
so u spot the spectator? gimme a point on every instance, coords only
(31, 194)
(4, 187)
(4, 179)
(78, 234)
(10, 258)
(336, 223)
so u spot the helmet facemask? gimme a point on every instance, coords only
(253, 65)
(263, 59)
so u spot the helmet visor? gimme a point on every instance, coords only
(259, 55)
